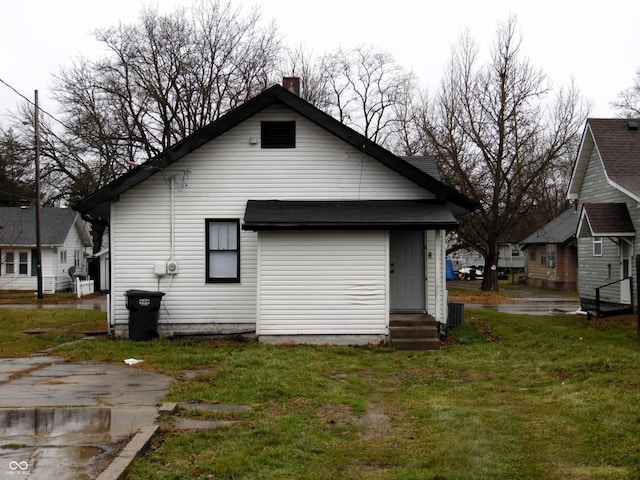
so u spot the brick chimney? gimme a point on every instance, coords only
(292, 84)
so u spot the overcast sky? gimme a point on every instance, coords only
(593, 42)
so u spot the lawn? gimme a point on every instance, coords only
(505, 398)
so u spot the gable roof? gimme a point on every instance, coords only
(606, 220)
(19, 226)
(560, 230)
(97, 203)
(617, 142)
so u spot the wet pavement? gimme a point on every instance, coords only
(98, 302)
(65, 420)
(525, 302)
(534, 306)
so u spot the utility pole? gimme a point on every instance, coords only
(38, 199)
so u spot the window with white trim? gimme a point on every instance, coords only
(9, 263)
(597, 246)
(223, 251)
(23, 265)
(16, 263)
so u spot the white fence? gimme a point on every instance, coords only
(84, 287)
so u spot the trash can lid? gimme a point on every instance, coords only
(143, 293)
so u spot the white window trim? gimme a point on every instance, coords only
(597, 241)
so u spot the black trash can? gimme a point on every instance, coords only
(144, 308)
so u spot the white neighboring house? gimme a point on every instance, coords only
(510, 258)
(65, 240)
(278, 221)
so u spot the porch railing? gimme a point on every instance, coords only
(598, 289)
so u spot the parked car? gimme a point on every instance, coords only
(470, 273)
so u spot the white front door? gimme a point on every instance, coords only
(407, 271)
(625, 271)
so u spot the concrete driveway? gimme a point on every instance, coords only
(65, 420)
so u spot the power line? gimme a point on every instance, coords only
(33, 104)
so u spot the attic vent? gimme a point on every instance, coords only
(278, 134)
(632, 125)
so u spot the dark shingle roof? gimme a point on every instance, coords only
(608, 219)
(426, 164)
(19, 225)
(619, 148)
(363, 214)
(559, 230)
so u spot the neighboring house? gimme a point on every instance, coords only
(510, 258)
(552, 253)
(606, 184)
(99, 266)
(278, 220)
(64, 239)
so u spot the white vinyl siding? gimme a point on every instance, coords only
(435, 285)
(215, 182)
(323, 283)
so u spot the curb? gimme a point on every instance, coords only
(137, 445)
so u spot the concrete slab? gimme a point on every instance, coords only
(215, 407)
(192, 424)
(64, 420)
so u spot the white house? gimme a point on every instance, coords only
(278, 221)
(64, 241)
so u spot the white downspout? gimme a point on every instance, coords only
(173, 218)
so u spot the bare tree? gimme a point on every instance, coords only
(628, 101)
(16, 170)
(301, 63)
(500, 140)
(162, 79)
(361, 88)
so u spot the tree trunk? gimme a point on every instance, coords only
(490, 279)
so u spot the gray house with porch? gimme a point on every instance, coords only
(606, 184)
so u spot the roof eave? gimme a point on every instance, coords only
(273, 95)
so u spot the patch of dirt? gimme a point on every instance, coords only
(630, 320)
(374, 423)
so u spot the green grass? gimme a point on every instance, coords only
(508, 397)
(27, 331)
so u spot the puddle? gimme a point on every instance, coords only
(55, 426)
(77, 463)
(532, 308)
(64, 443)
(56, 443)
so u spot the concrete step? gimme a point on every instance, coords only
(409, 319)
(414, 331)
(415, 343)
